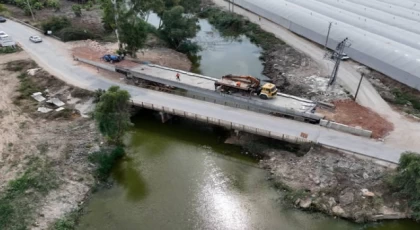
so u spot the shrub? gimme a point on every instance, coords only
(189, 47)
(105, 161)
(74, 34)
(56, 24)
(77, 9)
(8, 49)
(53, 4)
(407, 180)
(38, 6)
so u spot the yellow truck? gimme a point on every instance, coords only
(233, 84)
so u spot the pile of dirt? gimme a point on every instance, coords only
(335, 183)
(350, 113)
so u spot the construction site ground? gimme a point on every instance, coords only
(51, 149)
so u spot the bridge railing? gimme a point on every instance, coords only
(226, 124)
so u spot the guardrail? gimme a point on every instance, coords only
(224, 123)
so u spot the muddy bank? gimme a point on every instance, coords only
(328, 181)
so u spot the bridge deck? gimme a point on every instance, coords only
(207, 83)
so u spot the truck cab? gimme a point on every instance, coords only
(268, 91)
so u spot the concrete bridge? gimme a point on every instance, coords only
(54, 56)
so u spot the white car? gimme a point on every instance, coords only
(35, 39)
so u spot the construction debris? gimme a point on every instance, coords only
(38, 96)
(44, 110)
(32, 72)
(59, 109)
(56, 102)
(366, 192)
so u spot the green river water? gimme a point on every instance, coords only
(180, 175)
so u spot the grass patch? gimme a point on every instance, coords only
(27, 86)
(105, 160)
(10, 49)
(68, 222)
(21, 195)
(403, 98)
(233, 25)
(20, 65)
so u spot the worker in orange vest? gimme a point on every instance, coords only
(177, 77)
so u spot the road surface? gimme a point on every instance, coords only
(406, 132)
(55, 57)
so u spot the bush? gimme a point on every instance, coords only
(105, 161)
(77, 9)
(53, 4)
(189, 48)
(74, 34)
(9, 49)
(407, 180)
(56, 24)
(38, 6)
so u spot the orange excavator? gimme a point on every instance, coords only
(232, 84)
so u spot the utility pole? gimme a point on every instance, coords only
(358, 87)
(338, 54)
(328, 36)
(30, 10)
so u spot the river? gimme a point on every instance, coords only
(237, 56)
(181, 175)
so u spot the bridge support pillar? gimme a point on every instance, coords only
(164, 117)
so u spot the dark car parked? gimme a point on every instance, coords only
(2, 19)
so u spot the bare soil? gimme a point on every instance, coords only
(61, 140)
(350, 113)
(93, 50)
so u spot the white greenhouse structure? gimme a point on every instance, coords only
(384, 34)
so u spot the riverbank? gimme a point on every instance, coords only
(329, 181)
(44, 167)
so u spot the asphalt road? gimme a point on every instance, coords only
(54, 56)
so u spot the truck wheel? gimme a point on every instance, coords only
(263, 96)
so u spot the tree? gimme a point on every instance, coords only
(407, 180)
(177, 27)
(133, 33)
(112, 113)
(77, 9)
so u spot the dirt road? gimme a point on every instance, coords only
(406, 132)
